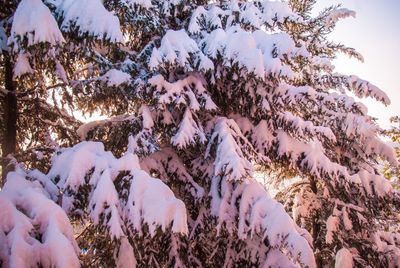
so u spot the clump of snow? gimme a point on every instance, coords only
(248, 208)
(256, 14)
(188, 132)
(88, 164)
(176, 48)
(22, 65)
(305, 202)
(303, 127)
(72, 164)
(344, 259)
(151, 202)
(258, 212)
(388, 242)
(90, 17)
(336, 14)
(278, 11)
(34, 21)
(348, 225)
(189, 91)
(168, 163)
(230, 162)
(148, 122)
(212, 16)
(104, 200)
(242, 48)
(276, 258)
(3, 38)
(362, 88)
(60, 72)
(332, 225)
(373, 183)
(115, 78)
(85, 128)
(143, 3)
(126, 258)
(254, 51)
(26, 211)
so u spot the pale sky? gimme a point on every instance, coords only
(375, 33)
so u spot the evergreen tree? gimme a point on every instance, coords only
(201, 95)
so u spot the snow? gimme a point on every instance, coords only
(38, 27)
(242, 48)
(336, 14)
(147, 117)
(232, 53)
(262, 136)
(26, 210)
(317, 162)
(276, 258)
(251, 14)
(388, 242)
(167, 162)
(22, 65)
(84, 129)
(104, 199)
(50, 188)
(150, 201)
(126, 162)
(332, 225)
(214, 42)
(370, 181)
(303, 127)
(278, 11)
(188, 132)
(258, 212)
(89, 17)
(60, 72)
(72, 165)
(344, 259)
(3, 39)
(126, 258)
(346, 220)
(254, 51)
(143, 3)
(230, 162)
(211, 16)
(115, 78)
(156, 205)
(323, 62)
(305, 203)
(176, 48)
(362, 89)
(142, 143)
(189, 90)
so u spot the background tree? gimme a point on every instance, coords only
(336, 213)
(393, 173)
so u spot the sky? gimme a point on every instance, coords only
(375, 33)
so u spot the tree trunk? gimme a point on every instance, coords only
(10, 117)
